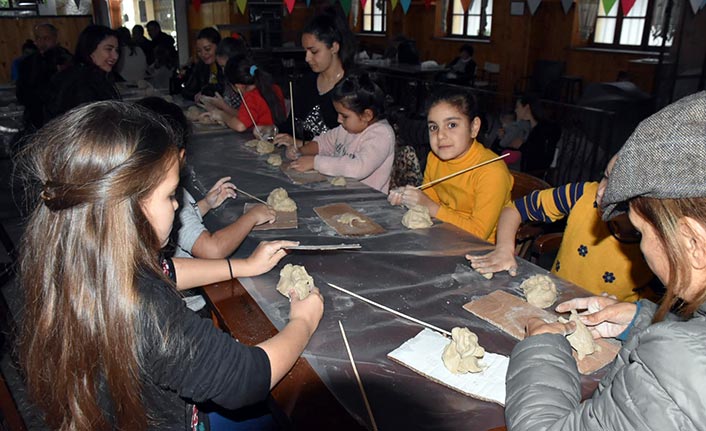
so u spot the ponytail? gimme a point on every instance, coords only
(241, 70)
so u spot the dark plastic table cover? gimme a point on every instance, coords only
(422, 273)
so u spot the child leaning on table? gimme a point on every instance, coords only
(261, 96)
(472, 200)
(362, 147)
(106, 342)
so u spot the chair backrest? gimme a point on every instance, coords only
(525, 184)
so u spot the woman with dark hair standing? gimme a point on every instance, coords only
(204, 76)
(92, 78)
(329, 46)
(261, 96)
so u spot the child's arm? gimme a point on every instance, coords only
(192, 273)
(284, 349)
(372, 151)
(503, 257)
(221, 190)
(223, 242)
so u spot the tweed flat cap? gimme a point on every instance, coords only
(664, 158)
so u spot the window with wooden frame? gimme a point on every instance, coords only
(475, 23)
(631, 30)
(375, 16)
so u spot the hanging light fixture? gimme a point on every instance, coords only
(588, 12)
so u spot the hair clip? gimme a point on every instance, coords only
(253, 68)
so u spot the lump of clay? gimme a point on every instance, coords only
(339, 181)
(274, 160)
(295, 277)
(417, 218)
(349, 219)
(142, 84)
(540, 290)
(193, 113)
(252, 143)
(487, 275)
(264, 147)
(279, 200)
(463, 353)
(581, 339)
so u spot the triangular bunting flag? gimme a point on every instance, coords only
(394, 4)
(405, 5)
(362, 3)
(626, 5)
(608, 5)
(346, 4)
(78, 3)
(534, 4)
(695, 5)
(427, 4)
(466, 4)
(703, 5)
(290, 5)
(196, 3)
(241, 5)
(566, 5)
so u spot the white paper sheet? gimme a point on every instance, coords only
(422, 354)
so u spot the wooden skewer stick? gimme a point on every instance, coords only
(395, 312)
(251, 196)
(357, 377)
(431, 183)
(291, 99)
(257, 129)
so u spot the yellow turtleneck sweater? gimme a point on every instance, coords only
(473, 200)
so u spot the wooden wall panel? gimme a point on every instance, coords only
(516, 42)
(14, 32)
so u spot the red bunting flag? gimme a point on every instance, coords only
(197, 4)
(362, 3)
(627, 5)
(427, 4)
(290, 5)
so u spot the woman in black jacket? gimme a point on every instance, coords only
(205, 77)
(91, 79)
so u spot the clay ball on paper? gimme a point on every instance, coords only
(252, 143)
(279, 200)
(462, 355)
(540, 290)
(417, 218)
(193, 113)
(295, 277)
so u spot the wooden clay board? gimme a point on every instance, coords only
(301, 177)
(330, 214)
(284, 220)
(509, 313)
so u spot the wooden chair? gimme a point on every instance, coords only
(525, 184)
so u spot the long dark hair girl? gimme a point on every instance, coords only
(241, 70)
(85, 244)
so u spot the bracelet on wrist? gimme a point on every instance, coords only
(230, 268)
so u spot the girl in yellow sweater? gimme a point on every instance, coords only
(473, 200)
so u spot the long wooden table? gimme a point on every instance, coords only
(422, 273)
